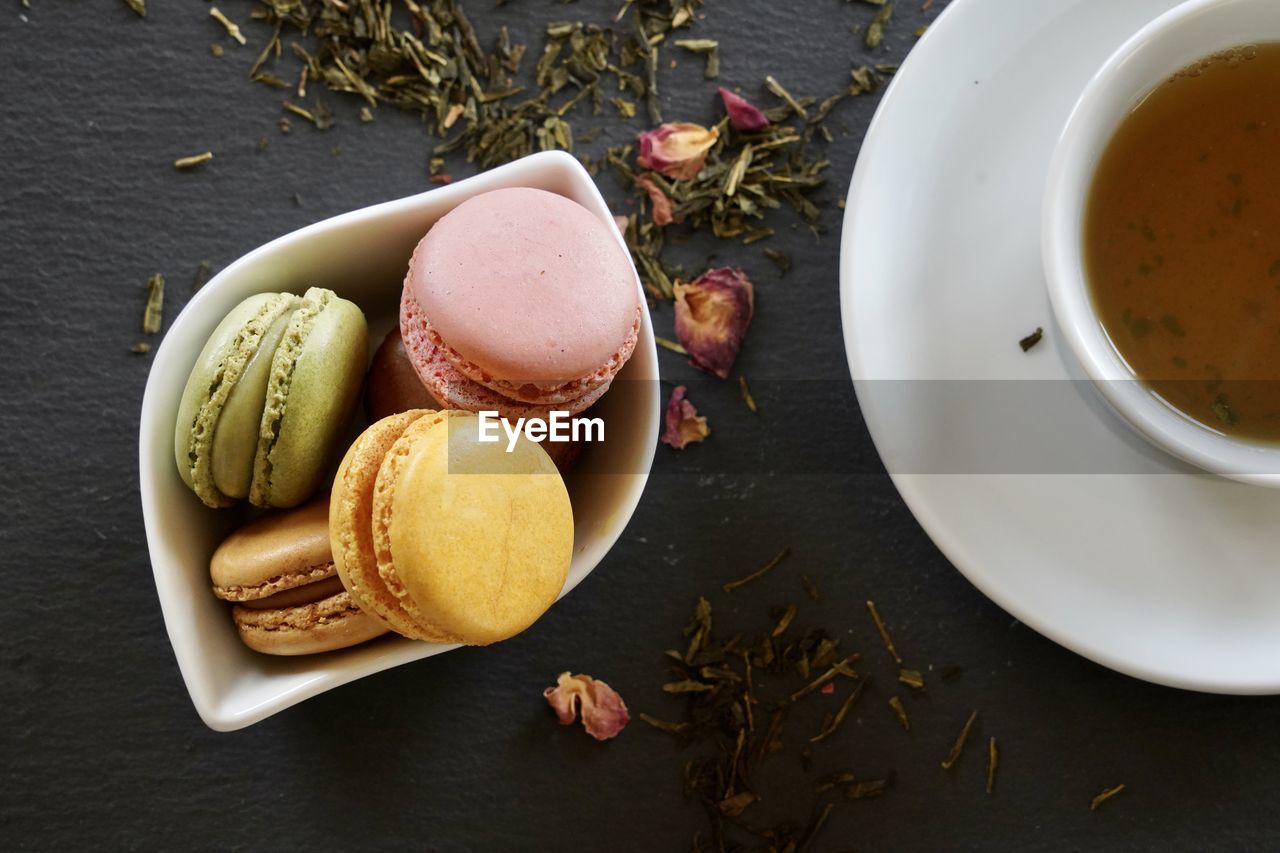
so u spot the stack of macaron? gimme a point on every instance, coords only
(518, 301)
(279, 573)
(269, 397)
(442, 537)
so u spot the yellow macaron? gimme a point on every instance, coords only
(444, 537)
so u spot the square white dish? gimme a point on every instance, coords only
(362, 255)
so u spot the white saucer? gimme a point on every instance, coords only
(1042, 497)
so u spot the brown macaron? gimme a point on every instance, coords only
(279, 573)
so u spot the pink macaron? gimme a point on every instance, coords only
(519, 300)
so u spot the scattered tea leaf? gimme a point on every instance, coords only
(875, 30)
(663, 725)
(900, 712)
(777, 89)
(868, 789)
(749, 400)
(912, 678)
(193, 161)
(958, 747)
(810, 588)
(203, 269)
(670, 345)
(993, 761)
(884, 632)
(830, 728)
(139, 7)
(231, 28)
(760, 572)
(1032, 339)
(1106, 794)
(708, 48)
(153, 313)
(141, 348)
(1221, 407)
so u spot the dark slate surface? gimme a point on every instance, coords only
(101, 745)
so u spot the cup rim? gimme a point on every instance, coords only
(1086, 133)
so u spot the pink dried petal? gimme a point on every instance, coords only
(662, 214)
(683, 423)
(712, 315)
(604, 714)
(676, 150)
(621, 222)
(828, 688)
(743, 114)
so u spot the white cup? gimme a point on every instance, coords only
(1185, 34)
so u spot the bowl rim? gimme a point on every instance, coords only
(155, 425)
(1097, 114)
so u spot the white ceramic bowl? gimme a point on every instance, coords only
(1171, 42)
(363, 256)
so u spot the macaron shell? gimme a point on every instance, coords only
(280, 551)
(350, 524)
(315, 381)
(332, 623)
(382, 507)
(482, 538)
(455, 390)
(392, 384)
(535, 265)
(235, 437)
(212, 378)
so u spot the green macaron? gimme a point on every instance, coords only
(269, 397)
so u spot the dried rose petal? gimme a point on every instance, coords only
(621, 222)
(676, 150)
(661, 204)
(712, 315)
(683, 423)
(603, 712)
(743, 114)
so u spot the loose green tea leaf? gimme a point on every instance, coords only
(884, 632)
(868, 789)
(912, 678)
(839, 668)
(810, 588)
(958, 747)
(749, 400)
(709, 48)
(875, 30)
(776, 88)
(1032, 339)
(203, 269)
(663, 725)
(231, 28)
(193, 161)
(140, 348)
(759, 573)
(667, 344)
(139, 7)
(830, 728)
(780, 260)
(1106, 794)
(900, 712)
(153, 313)
(1222, 410)
(993, 761)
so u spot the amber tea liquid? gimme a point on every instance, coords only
(1182, 241)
